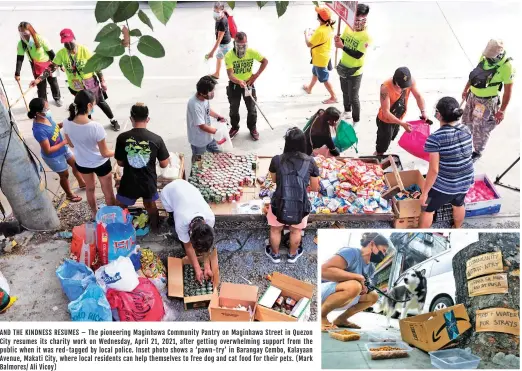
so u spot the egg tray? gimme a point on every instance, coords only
(191, 286)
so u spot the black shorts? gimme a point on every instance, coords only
(438, 199)
(385, 134)
(101, 170)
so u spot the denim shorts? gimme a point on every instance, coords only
(328, 288)
(322, 73)
(131, 201)
(211, 147)
(222, 50)
(58, 164)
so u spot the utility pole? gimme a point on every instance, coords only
(19, 180)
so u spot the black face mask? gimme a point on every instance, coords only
(377, 258)
(70, 46)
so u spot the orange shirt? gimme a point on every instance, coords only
(394, 97)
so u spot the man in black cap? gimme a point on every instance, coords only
(394, 103)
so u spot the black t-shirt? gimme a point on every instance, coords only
(138, 149)
(313, 171)
(222, 26)
(317, 141)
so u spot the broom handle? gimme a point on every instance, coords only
(23, 94)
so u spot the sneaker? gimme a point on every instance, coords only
(347, 115)
(293, 258)
(233, 132)
(276, 258)
(58, 102)
(475, 156)
(115, 125)
(254, 134)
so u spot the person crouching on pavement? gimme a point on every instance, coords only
(193, 223)
(484, 110)
(343, 281)
(239, 63)
(292, 172)
(318, 135)
(199, 129)
(137, 151)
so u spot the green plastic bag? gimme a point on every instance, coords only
(345, 137)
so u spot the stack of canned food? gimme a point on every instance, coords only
(220, 177)
(192, 286)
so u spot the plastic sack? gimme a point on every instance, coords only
(83, 245)
(414, 142)
(153, 268)
(345, 137)
(91, 306)
(144, 304)
(115, 234)
(4, 285)
(74, 278)
(118, 275)
(222, 137)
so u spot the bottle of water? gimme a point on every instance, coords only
(90, 239)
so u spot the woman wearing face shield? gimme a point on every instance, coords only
(73, 57)
(343, 280)
(223, 39)
(318, 135)
(40, 56)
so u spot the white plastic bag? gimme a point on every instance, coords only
(4, 285)
(118, 275)
(171, 172)
(222, 134)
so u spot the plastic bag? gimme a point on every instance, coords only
(153, 268)
(171, 172)
(4, 285)
(345, 137)
(91, 306)
(118, 275)
(115, 234)
(83, 245)
(414, 142)
(222, 137)
(74, 278)
(141, 305)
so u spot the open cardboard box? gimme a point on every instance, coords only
(406, 208)
(293, 288)
(175, 281)
(488, 207)
(231, 295)
(432, 334)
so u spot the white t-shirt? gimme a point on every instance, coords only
(186, 202)
(85, 140)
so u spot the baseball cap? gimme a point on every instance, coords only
(323, 12)
(67, 35)
(402, 77)
(494, 48)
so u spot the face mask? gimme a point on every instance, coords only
(240, 49)
(377, 258)
(30, 42)
(217, 16)
(209, 96)
(70, 46)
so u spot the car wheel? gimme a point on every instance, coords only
(441, 303)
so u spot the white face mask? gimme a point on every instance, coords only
(217, 16)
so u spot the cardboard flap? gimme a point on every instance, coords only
(175, 278)
(215, 268)
(238, 292)
(283, 281)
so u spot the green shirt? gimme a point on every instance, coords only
(505, 75)
(358, 41)
(242, 66)
(74, 78)
(36, 54)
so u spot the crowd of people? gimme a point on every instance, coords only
(453, 148)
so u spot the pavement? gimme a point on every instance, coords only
(439, 41)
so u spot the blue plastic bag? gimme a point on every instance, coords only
(116, 235)
(74, 278)
(91, 306)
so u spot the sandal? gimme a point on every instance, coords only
(330, 101)
(348, 324)
(74, 199)
(328, 327)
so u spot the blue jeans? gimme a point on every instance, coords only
(198, 151)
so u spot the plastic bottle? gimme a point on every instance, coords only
(90, 239)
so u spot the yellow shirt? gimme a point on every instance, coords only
(321, 42)
(242, 66)
(358, 41)
(74, 76)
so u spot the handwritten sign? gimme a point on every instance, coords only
(492, 284)
(484, 264)
(346, 10)
(498, 320)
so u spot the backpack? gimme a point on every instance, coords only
(232, 27)
(292, 205)
(479, 78)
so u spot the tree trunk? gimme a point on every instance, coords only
(487, 345)
(19, 181)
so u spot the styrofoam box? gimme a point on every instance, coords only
(484, 207)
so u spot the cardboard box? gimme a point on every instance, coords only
(403, 223)
(407, 208)
(432, 334)
(484, 207)
(230, 295)
(293, 288)
(175, 281)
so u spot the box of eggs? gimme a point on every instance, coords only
(182, 281)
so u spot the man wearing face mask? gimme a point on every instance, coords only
(73, 57)
(240, 63)
(199, 129)
(343, 280)
(40, 56)
(394, 104)
(137, 151)
(354, 44)
(484, 110)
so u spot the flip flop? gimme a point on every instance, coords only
(74, 199)
(330, 101)
(83, 187)
(326, 328)
(349, 324)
